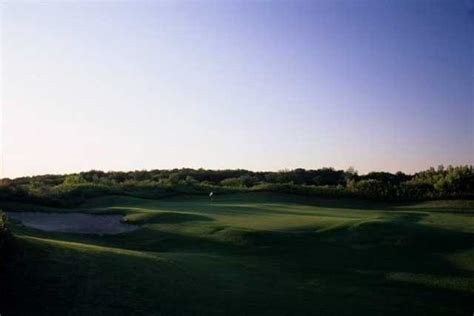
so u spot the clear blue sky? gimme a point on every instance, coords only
(262, 85)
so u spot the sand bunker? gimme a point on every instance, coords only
(73, 222)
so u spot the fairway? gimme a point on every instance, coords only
(248, 254)
(237, 158)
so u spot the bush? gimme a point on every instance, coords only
(73, 189)
(306, 190)
(231, 182)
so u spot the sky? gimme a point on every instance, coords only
(260, 85)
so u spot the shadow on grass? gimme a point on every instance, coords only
(164, 218)
(270, 274)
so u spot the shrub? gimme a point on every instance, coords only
(73, 189)
(231, 182)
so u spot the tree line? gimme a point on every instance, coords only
(63, 190)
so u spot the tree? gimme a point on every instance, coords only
(74, 179)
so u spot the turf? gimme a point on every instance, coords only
(248, 254)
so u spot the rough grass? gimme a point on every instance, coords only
(249, 254)
(3, 234)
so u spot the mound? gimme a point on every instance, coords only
(163, 218)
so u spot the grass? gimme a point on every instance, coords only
(248, 254)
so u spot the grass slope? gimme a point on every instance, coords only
(249, 254)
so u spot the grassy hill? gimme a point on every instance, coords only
(248, 254)
(2, 234)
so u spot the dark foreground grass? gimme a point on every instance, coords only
(248, 254)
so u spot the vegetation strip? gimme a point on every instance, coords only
(66, 190)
